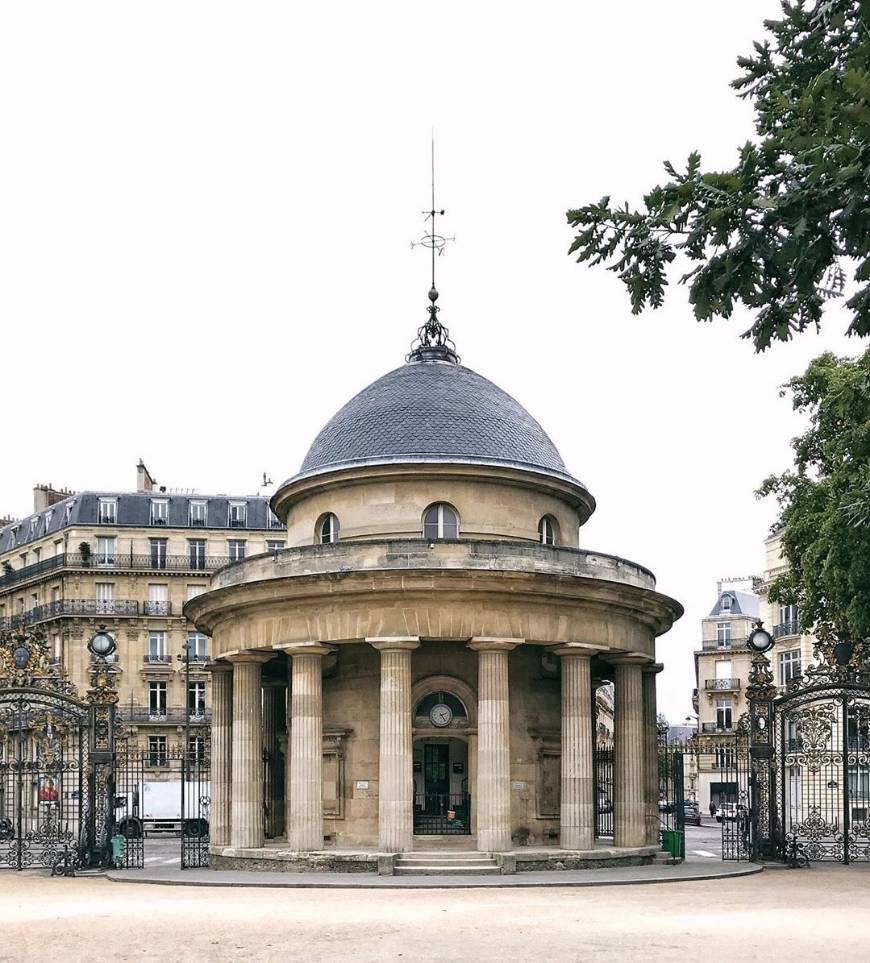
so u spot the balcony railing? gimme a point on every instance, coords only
(148, 561)
(786, 628)
(157, 608)
(715, 727)
(13, 576)
(174, 716)
(722, 684)
(157, 658)
(66, 607)
(721, 645)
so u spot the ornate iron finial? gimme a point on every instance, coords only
(433, 341)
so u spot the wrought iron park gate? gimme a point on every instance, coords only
(55, 758)
(802, 765)
(812, 745)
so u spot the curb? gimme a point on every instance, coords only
(438, 882)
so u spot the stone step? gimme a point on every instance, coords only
(451, 869)
(439, 861)
(435, 854)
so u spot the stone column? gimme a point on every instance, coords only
(246, 830)
(577, 809)
(305, 813)
(493, 744)
(221, 752)
(651, 753)
(395, 765)
(274, 727)
(629, 825)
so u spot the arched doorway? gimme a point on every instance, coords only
(442, 797)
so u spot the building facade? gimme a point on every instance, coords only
(130, 561)
(723, 662)
(429, 645)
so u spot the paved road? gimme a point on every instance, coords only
(799, 915)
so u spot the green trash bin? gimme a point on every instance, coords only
(119, 849)
(674, 842)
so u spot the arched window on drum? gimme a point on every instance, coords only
(440, 521)
(547, 530)
(327, 529)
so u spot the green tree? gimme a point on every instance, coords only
(825, 503)
(778, 231)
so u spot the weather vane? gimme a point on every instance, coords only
(433, 339)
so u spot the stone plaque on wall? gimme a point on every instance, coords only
(549, 765)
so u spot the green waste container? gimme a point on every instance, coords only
(119, 849)
(674, 842)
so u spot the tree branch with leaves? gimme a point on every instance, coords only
(781, 231)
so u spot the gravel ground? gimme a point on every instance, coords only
(819, 913)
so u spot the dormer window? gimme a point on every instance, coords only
(238, 514)
(726, 603)
(440, 521)
(327, 529)
(198, 514)
(547, 530)
(48, 517)
(159, 511)
(274, 521)
(108, 511)
(34, 524)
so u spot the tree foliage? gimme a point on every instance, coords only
(778, 231)
(825, 502)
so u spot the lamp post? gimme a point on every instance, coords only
(186, 747)
(102, 696)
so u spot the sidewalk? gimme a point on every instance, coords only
(688, 871)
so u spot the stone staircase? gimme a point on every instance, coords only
(456, 863)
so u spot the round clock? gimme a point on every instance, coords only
(760, 640)
(441, 715)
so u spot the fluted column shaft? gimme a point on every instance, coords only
(247, 782)
(221, 752)
(493, 744)
(629, 758)
(274, 726)
(577, 811)
(651, 754)
(305, 829)
(396, 762)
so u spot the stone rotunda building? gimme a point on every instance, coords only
(421, 661)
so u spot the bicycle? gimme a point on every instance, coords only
(796, 858)
(67, 863)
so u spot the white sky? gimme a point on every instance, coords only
(205, 217)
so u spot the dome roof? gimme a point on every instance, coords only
(433, 411)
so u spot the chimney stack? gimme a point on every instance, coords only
(144, 480)
(46, 495)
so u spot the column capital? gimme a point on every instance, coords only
(218, 667)
(652, 668)
(575, 648)
(394, 643)
(486, 643)
(247, 655)
(630, 658)
(306, 648)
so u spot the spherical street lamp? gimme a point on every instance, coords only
(760, 640)
(102, 644)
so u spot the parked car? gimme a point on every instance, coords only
(665, 806)
(691, 813)
(726, 812)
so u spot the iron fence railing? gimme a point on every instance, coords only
(148, 561)
(157, 608)
(11, 576)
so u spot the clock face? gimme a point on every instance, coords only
(441, 715)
